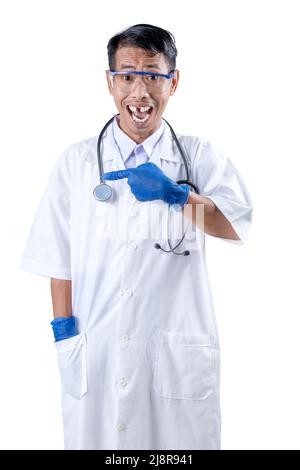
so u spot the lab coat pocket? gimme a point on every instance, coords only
(72, 365)
(184, 366)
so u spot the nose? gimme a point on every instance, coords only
(139, 90)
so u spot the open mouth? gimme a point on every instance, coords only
(141, 114)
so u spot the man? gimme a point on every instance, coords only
(135, 328)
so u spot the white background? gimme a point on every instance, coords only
(239, 87)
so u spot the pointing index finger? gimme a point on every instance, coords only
(116, 175)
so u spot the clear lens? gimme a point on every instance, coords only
(127, 81)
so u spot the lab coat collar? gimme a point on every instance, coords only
(165, 149)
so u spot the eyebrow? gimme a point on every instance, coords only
(127, 67)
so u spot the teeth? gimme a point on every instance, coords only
(142, 110)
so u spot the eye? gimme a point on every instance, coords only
(153, 78)
(127, 78)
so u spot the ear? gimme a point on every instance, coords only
(175, 81)
(108, 79)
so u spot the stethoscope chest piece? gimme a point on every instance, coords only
(102, 192)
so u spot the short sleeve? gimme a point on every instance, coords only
(47, 251)
(219, 180)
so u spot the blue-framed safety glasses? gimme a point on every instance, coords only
(127, 80)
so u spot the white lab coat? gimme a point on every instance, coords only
(144, 371)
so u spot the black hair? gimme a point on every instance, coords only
(146, 36)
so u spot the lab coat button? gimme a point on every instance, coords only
(132, 245)
(127, 292)
(120, 427)
(123, 382)
(125, 338)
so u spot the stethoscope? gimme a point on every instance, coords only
(103, 191)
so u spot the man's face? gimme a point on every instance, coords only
(137, 59)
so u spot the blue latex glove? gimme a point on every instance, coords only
(147, 182)
(64, 327)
